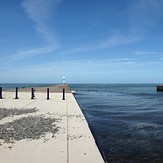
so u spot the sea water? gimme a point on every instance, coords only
(125, 119)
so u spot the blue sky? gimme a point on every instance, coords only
(88, 41)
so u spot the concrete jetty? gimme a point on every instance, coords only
(40, 130)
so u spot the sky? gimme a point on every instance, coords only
(87, 41)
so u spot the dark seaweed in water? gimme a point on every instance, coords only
(126, 120)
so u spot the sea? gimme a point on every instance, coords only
(126, 120)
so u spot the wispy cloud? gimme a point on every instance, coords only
(145, 52)
(115, 70)
(114, 40)
(117, 38)
(88, 64)
(143, 15)
(73, 50)
(30, 53)
(42, 13)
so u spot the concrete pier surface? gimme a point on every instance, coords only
(45, 131)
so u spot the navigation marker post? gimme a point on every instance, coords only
(64, 81)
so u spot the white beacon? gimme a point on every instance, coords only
(64, 80)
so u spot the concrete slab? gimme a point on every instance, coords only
(72, 143)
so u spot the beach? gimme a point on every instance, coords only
(40, 130)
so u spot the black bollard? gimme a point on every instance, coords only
(63, 94)
(32, 93)
(48, 94)
(16, 96)
(1, 93)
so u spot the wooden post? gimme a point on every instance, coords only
(63, 94)
(1, 93)
(16, 96)
(32, 93)
(48, 94)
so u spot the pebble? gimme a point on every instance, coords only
(11, 112)
(31, 127)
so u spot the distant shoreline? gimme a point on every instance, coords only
(42, 88)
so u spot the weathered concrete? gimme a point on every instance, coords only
(73, 143)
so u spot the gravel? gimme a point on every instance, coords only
(31, 127)
(11, 112)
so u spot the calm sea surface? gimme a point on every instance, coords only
(125, 119)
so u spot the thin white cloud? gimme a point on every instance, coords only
(88, 63)
(30, 53)
(115, 64)
(144, 14)
(145, 52)
(141, 16)
(73, 50)
(42, 13)
(109, 69)
(117, 39)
